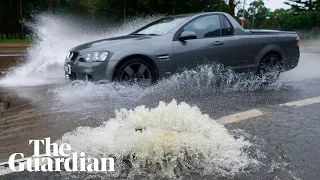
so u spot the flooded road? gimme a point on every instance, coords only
(284, 138)
(249, 132)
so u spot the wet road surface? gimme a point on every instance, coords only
(287, 135)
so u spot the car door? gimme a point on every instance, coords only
(238, 49)
(207, 48)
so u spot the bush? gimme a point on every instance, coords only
(302, 21)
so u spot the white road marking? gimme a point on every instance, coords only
(304, 102)
(240, 116)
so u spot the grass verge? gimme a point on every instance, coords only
(15, 40)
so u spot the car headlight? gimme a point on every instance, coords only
(95, 56)
(70, 55)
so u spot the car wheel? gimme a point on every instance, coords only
(136, 71)
(270, 68)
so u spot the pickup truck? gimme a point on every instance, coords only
(172, 43)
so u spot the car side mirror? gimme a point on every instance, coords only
(186, 35)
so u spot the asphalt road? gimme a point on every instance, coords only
(282, 121)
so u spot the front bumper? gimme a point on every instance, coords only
(89, 71)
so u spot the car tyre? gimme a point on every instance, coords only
(136, 71)
(270, 68)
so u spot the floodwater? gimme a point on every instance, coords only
(180, 136)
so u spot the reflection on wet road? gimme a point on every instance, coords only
(285, 138)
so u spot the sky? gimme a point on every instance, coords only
(271, 4)
(275, 4)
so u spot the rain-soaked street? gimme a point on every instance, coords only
(255, 132)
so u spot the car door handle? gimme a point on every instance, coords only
(218, 43)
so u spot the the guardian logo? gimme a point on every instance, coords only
(58, 158)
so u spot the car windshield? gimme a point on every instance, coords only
(160, 27)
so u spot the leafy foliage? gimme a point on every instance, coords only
(304, 14)
(304, 5)
(299, 17)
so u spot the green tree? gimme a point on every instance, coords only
(256, 16)
(258, 13)
(303, 5)
(278, 18)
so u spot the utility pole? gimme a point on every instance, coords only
(21, 17)
(50, 4)
(253, 14)
(124, 10)
(244, 5)
(254, 11)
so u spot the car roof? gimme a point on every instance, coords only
(194, 14)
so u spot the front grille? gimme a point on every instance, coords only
(82, 77)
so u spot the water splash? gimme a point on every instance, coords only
(206, 79)
(89, 95)
(54, 36)
(167, 141)
(216, 77)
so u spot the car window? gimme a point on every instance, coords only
(227, 30)
(161, 26)
(205, 27)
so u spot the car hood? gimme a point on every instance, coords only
(111, 43)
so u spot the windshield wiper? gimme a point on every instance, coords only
(153, 35)
(145, 34)
(137, 34)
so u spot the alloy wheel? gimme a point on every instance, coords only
(136, 73)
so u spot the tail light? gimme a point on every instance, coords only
(298, 42)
